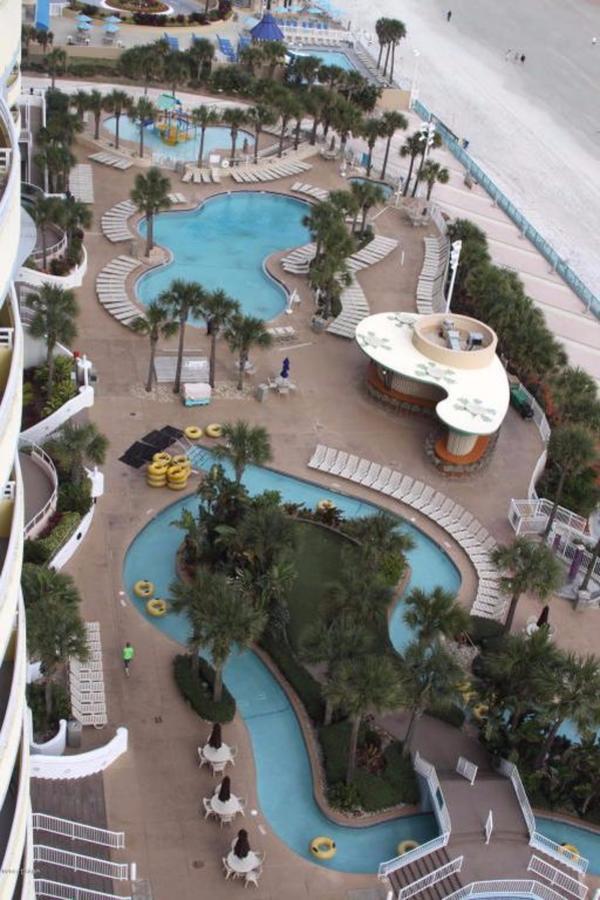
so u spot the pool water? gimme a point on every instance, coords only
(329, 58)
(387, 189)
(217, 137)
(586, 841)
(223, 244)
(284, 779)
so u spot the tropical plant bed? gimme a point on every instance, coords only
(198, 691)
(139, 6)
(36, 403)
(46, 727)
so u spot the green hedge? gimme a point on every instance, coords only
(43, 549)
(334, 744)
(198, 692)
(307, 687)
(483, 630)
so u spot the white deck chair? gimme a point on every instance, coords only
(372, 475)
(403, 488)
(424, 498)
(318, 456)
(328, 460)
(415, 492)
(382, 479)
(339, 464)
(350, 467)
(361, 470)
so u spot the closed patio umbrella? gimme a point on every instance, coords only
(225, 790)
(241, 847)
(215, 740)
(544, 616)
(285, 368)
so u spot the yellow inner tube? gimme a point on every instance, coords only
(180, 460)
(157, 607)
(407, 846)
(193, 432)
(161, 457)
(323, 848)
(480, 710)
(571, 850)
(157, 468)
(143, 588)
(214, 430)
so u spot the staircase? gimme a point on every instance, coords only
(405, 876)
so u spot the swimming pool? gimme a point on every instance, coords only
(586, 841)
(223, 244)
(217, 137)
(387, 189)
(329, 58)
(284, 778)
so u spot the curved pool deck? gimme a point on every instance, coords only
(284, 778)
(224, 243)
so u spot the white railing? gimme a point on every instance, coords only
(45, 462)
(531, 517)
(78, 862)
(59, 891)
(556, 877)
(467, 769)
(398, 862)
(422, 767)
(5, 156)
(431, 878)
(52, 250)
(79, 765)
(536, 840)
(6, 338)
(513, 887)
(8, 491)
(568, 550)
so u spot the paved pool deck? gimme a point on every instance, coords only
(155, 791)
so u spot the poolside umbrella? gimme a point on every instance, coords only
(215, 739)
(544, 615)
(241, 848)
(113, 20)
(285, 368)
(111, 28)
(83, 18)
(83, 26)
(575, 564)
(225, 790)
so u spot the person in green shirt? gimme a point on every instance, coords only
(128, 654)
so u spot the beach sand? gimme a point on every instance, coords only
(534, 127)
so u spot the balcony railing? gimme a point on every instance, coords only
(560, 879)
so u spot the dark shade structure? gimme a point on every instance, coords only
(215, 740)
(544, 616)
(242, 847)
(267, 29)
(225, 790)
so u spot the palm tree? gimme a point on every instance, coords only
(175, 70)
(342, 639)
(412, 147)
(73, 216)
(435, 614)
(56, 61)
(323, 216)
(150, 194)
(245, 445)
(429, 675)
(259, 116)
(305, 69)
(346, 120)
(201, 54)
(218, 308)
(263, 540)
(591, 566)
(315, 102)
(45, 211)
(433, 172)
(359, 594)
(117, 102)
(367, 195)
(181, 300)
(54, 311)
(203, 117)
(574, 396)
(79, 100)
(396, 32)
(358, 686)
(274, 53)
(427, 143)
(382, 32)
(383, 543)
(142, 112)
(571, 449)
(235, 118)
(55, 629)
(156, 323)
(96, 106)
(577, 698)
(532, 568)
(78, 444)
(219, 618)
(287, 108)
(242, 333)
(372, 129)
(391, 122)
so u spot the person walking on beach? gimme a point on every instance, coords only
(448, 15)
(522, 58)
(128, 654)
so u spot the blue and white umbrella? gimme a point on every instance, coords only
(111, 28)
(113, 20)
(83, 26)
(83, 18)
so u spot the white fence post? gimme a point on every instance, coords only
(467, 769)
(489, 827)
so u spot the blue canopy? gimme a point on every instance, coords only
(267, 29)
(83, 26)
(83, 18)
(113, 20)
(42, 14)
(111, 28)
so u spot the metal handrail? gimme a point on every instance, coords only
(513, 887)
(37, 452)
(434, 877)
(556, 877)
(56, 889)
(78, 831)
(398, 862)
(78, 862)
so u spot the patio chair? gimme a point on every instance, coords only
(218, 767)
(253, 877)
(202, 761)
(228, 870)
(208, 810)
(226, 820)
(233, 750)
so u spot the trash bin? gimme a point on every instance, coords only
(74, 733)
(261, 392)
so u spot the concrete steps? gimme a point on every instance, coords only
(407, 875)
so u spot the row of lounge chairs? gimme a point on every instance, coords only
(309, 191)
(280, 169)
(298, 261)
(108, 159)
(303, 33)
(112, 291)
(430, 286)
(355, 308)
(201, 176)
(283, 333)
(176, 199)
(81, 183)
(114, 221)
(370, 65)
(374, 252)
(461, 525)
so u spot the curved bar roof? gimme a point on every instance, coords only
(474, 380)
